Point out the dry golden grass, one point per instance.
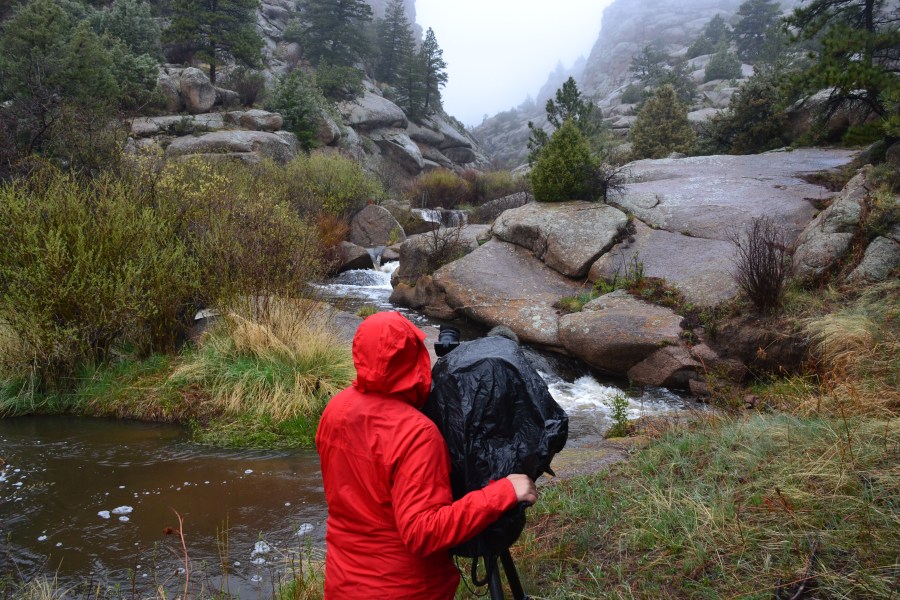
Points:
(282, 360)
(858, 352)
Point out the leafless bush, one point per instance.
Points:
(444, 245)
(762, 264)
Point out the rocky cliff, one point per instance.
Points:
(627, 26)
(204, 120)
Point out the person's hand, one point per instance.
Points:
(524, 486)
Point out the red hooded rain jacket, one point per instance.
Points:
(391, 515)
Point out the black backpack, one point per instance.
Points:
(497, 418)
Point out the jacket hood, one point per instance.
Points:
(391, 358)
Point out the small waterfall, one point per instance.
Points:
(445, 218)
(376, 253)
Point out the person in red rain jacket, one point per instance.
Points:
(386, 470)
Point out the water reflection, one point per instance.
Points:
(88, 496)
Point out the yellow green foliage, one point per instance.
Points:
(439, 188)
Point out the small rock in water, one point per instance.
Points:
(42, 538)
(237, 563)
(256, 579)
(287, 503)
(103, 514)
(59, 544)
(121, 487)
(258, 561)
(248, 471)
(305, 529)
(122, 510)
(124, 519)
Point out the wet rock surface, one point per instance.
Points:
(616, 331)
(567, 236)
(375, 226)
(699, 268)
(706, 196)
(504, 284)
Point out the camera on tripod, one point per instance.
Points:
(497, 417)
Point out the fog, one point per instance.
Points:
(499, 51)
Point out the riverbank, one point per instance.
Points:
(250, 382)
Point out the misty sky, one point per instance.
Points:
(498, 51)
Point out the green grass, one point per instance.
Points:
(741, 508)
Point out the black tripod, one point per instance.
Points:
(492, 576)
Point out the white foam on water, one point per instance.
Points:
(256, 579)
(305, 529)
(42, 538)
(122, 510)
(258, 561)
(248, 471)
(124, 519)
(587, 394)
(261, 548)
(103, 514)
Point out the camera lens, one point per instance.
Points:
(448, 339)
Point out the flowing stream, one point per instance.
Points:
(87, 500)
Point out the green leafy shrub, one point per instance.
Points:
(340, 83)
(633, 94)
(84, 265)
(301, 103)
(328, 183)
(92, 265)
(561, 171)
(439, 188)
(722, 65)
(662, 127)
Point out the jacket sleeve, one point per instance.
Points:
(427, 517)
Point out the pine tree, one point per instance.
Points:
(216, 30)
(410, 88)
(395, 43)
(757, 18)
(568, 104)
(662, 127)
(724, 64)
(434, 71)
(132, 22)
(715, 32)
(332, 31)
(859, 49)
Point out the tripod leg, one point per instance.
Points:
(512, 576)
(495, 586)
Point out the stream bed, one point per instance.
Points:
(88, 500)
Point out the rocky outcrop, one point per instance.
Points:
(881, 260)
(398, 145)
(615, 332)
(244, 145)
(195, 89)
(348, 256)
(375, 226)
(504, 284)
(418, 252)
(372, 111)
(707, 196)
(699, 268)
(827, 239)
(671, 366)
(257, 120)
(567, 236)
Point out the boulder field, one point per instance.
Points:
(672, 220)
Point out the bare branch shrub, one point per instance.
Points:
(762, 264)
(443, 246)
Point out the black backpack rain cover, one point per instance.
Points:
(497, 418)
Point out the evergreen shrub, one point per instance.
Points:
(722, 65)
(563, 168)
(662, 127)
